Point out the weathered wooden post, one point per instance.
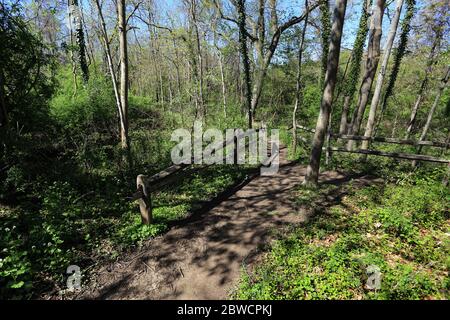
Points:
(145, 201)
(446, 177)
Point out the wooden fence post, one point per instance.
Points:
(145, 201)
(446, 177)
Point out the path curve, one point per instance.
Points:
(203, 258)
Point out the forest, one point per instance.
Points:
(355, 96)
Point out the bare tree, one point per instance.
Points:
(264, 44)
(121, 93)
(312, 172)
(221, 69)
(199, 60)
(267, 54)
(112, 72)
(427, 125)
(423, 86)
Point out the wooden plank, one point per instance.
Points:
(398, 155)
(391, 140)
(165, 173)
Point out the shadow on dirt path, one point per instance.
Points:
(201, 257)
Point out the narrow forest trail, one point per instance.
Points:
(202, 259)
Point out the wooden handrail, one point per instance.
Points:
(437, 144)
(146, 185)
(398, 155)
(390, 140)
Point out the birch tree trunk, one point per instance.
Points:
(427, 125)
(312, 172)
(373, 56)
(382, 74)
(299, 85)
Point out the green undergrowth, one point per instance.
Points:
(175, 202)
(39, 242)
(402, 228)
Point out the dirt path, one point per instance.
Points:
(203, 258)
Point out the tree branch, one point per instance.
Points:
(136, 7)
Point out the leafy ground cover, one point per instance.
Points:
(82, 230)
(402, 227)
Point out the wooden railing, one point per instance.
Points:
(399, 155)
(146, 185)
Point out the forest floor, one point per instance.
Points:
(203, 257)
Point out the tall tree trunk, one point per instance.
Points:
(394, 127)
(74, 67)
(155, 57)
(3, 108)
(299, 82)
(355, 67)
(373, 56)
(123, 73)
(161, 87)
(79, 34)
(312, 172)
(224, 90)
(426, 127)
(406, 27)
(199, 59)
(344, 116)
(222, 74)
(380, 79)
(261, 70)
(424, 84)
(89, 43)
(325, 32)
(177, 68)
(107, 49)
(245, 59)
